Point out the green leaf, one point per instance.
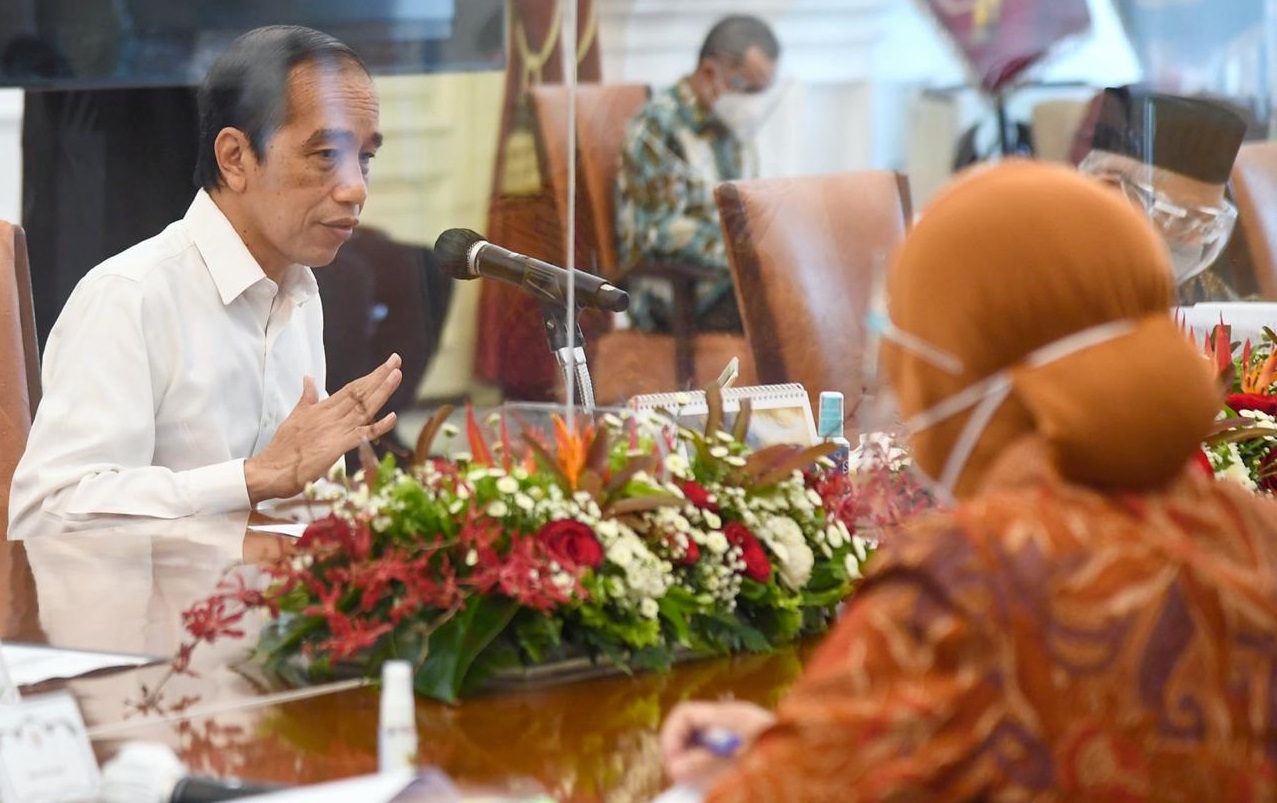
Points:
(538, 635)
(458, 643)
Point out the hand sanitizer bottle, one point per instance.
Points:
(830, 429)
(397, 723)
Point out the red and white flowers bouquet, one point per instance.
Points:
(609, 539)
(1244, 450)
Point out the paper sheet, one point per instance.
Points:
(30, 663)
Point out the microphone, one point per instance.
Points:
(464, 254)
(149, 772)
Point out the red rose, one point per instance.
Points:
(757, 566)
(572, 541)
(698, 496)
(1252, 401)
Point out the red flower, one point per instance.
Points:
(1252, 401)
(351, 540)
(757, 566)
(691, 555)
(1268, 481)
(1203, 462)
(575, 543)
(698, 496)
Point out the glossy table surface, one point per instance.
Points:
(121, 586)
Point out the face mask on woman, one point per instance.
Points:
(982, 397)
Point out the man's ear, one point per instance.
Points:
(235, 157)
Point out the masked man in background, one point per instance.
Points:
(687, 139)
(1172, 156)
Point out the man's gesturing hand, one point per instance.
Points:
(316, 433)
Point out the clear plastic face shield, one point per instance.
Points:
(1195, 231)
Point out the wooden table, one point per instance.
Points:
(122, 586)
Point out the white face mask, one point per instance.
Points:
(986, 395)
(1189, 260)
(743, 114)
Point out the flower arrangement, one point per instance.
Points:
(1244, 449)
(613, 539)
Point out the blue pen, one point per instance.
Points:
(719, 741)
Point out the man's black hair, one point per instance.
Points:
(247, 87)
(733, 37)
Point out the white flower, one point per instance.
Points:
(1237, 473)
(472, 557)
(858, 547)
(814, 498)
(524, 502)
(711, 519)
(735, 460)
(621, 552)
(449, 430)
(793, 555)
(508, 486)
(497, 509)
(853, 566)
(716, 542)
(676, 464)
(648, 608)
(833, 535)
(719, 451)
(725, 437)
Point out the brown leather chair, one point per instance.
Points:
(624, 362)
(803, 253)
(19, 359)
(1255, 193)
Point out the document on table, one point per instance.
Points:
(30, 664)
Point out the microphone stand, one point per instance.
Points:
(558, 323)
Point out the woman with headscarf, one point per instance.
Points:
(1094, 618)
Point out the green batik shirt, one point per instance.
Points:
(674, 153)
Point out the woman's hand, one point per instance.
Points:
(688, 760)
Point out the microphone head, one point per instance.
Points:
(611, 298)
(453, 250)
(142, 772)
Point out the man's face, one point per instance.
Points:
(750, 74)
(304, 194)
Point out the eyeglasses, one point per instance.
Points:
(1208, 226)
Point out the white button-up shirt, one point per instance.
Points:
(170, 364)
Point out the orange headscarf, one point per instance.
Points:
(1015, 257)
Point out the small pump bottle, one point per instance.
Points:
(397, 721)
(830, 429)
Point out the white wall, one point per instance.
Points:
(913, 55)
(11, 155)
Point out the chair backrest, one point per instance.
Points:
(603, 112)
(550, 102)
(19, 359)
(1055, 125)
(1255, 192)
(803, 252)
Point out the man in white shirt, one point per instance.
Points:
(172, 377)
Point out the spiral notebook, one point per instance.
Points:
(781, 413)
